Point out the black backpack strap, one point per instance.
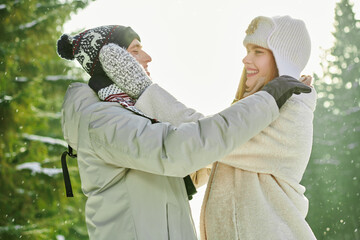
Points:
(190, 187)
(68, 188)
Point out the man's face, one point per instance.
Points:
(135, 49)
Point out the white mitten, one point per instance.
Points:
(124, 70)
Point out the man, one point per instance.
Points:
(132, 168)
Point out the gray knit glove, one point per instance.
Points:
(124, 70)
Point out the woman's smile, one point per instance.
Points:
(250, 72)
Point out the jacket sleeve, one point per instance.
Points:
(284, 147)
(161, 105)
(130, 141)
(158, 103)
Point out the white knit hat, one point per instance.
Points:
(287, 38)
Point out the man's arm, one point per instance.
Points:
(190, 140)
(158, 103)
(282, 149)
(123, 139)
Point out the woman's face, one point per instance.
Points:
(260, 68)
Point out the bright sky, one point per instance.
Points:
(196, 46)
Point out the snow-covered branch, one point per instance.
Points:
(6, 98)
(35, 168)
(32, 23)
(49, 140)
(60, 78)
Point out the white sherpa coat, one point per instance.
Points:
(255, 192)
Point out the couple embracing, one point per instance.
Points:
(142, 154)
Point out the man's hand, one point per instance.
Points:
(124, 70)
(282, 88)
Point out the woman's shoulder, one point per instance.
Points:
(303, 101)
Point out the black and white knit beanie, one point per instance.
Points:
(286, 37)
(85, 46)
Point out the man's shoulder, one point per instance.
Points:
(83, 100)
(82, 106)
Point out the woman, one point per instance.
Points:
(255, 192)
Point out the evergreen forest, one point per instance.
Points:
(33, 82)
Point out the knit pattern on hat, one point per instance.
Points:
(287, 38)
(87, 44)
(124, 70)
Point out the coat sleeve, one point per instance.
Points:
(284, 147)
(157, 103)
(123, 139)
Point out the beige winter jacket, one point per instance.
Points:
(255, 192)
(132, 171)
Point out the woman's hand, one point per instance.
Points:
(306, 79)
(124, 70)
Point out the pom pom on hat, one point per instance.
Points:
(286, 37)
(65, 47)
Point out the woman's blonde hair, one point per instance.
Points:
(241, 87)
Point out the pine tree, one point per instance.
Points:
(333, 175)
(32, 200)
